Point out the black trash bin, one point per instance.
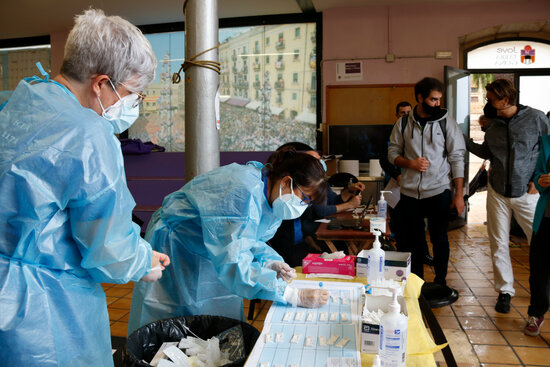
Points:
(143, 344)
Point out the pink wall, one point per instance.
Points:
(415, 33)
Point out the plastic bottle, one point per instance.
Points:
(393, 335)
(376, 361)
(382, 206)
(375, 261)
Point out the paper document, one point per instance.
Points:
(394, 195)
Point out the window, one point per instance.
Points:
(252, 101)
(297, 32)
(296, 54)
(17, 63)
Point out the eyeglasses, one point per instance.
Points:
(306, 200)
(140, 95)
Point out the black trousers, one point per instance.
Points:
(539, 277)
(411, 235)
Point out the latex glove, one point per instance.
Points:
(284, 271)
(160, 261)
(310, 298)
(153, 275)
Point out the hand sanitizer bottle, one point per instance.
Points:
(375, 261)
(382, 206)
(393, 335)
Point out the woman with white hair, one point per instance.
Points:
(65, 223)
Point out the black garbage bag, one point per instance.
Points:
(143, 344)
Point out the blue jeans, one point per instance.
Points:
(411, 236)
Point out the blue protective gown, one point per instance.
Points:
(214, 230)
(65, 226)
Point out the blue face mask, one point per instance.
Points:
(323, 164)
(123, 113)
(288, 206)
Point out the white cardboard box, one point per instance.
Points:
(370, 333)
(397, 265)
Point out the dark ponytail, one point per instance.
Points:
(304, 169)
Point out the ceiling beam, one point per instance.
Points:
(306, 6)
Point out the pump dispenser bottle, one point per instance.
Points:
(393, 335)
(382, 206)
(376, 362)
(375, 261)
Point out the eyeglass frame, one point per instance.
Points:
(306, 200)
(140, 95)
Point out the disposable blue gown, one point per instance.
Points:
(65, 226)
(214, 229)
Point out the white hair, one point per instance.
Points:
(109, 45)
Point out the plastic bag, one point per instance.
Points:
(143, 343)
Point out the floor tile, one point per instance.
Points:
(479, 283)
(115, 313)
(117, 292)
(519, 339)
(464, 310)
(125, 303)
(484, 291)
(448, 322)
(476, 323)
(467, 300)
(495, 354)
(505, 323)
(491, 337)
(534, 356)
(443, 311)
(493, 313)
(119, 328)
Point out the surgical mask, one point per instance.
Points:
(323, 164)
(288, 206)
(433, 111)
(123, 113)
(489, 110)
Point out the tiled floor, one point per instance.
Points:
(478, 335)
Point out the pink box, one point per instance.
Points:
(313, 263)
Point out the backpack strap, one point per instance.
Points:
(404, 120)
(442, 125)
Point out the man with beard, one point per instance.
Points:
(428, 145)
(511, 143)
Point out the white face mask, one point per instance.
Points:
(288, 206)
(123, 113)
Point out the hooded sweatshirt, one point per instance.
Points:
(512, 147)
(445, 154)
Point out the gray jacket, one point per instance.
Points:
(513, 149)
(445, 154)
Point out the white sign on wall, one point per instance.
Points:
(510, 55)
(346, 71)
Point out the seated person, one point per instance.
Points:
(295, 238)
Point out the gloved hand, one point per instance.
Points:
(153, 275)
(310, 298)
(284, 271)
(160, 260)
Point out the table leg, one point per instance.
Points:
(331, 246)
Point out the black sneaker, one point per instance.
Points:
(503, 303)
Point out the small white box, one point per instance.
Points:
(370, 333)
(397, 265)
